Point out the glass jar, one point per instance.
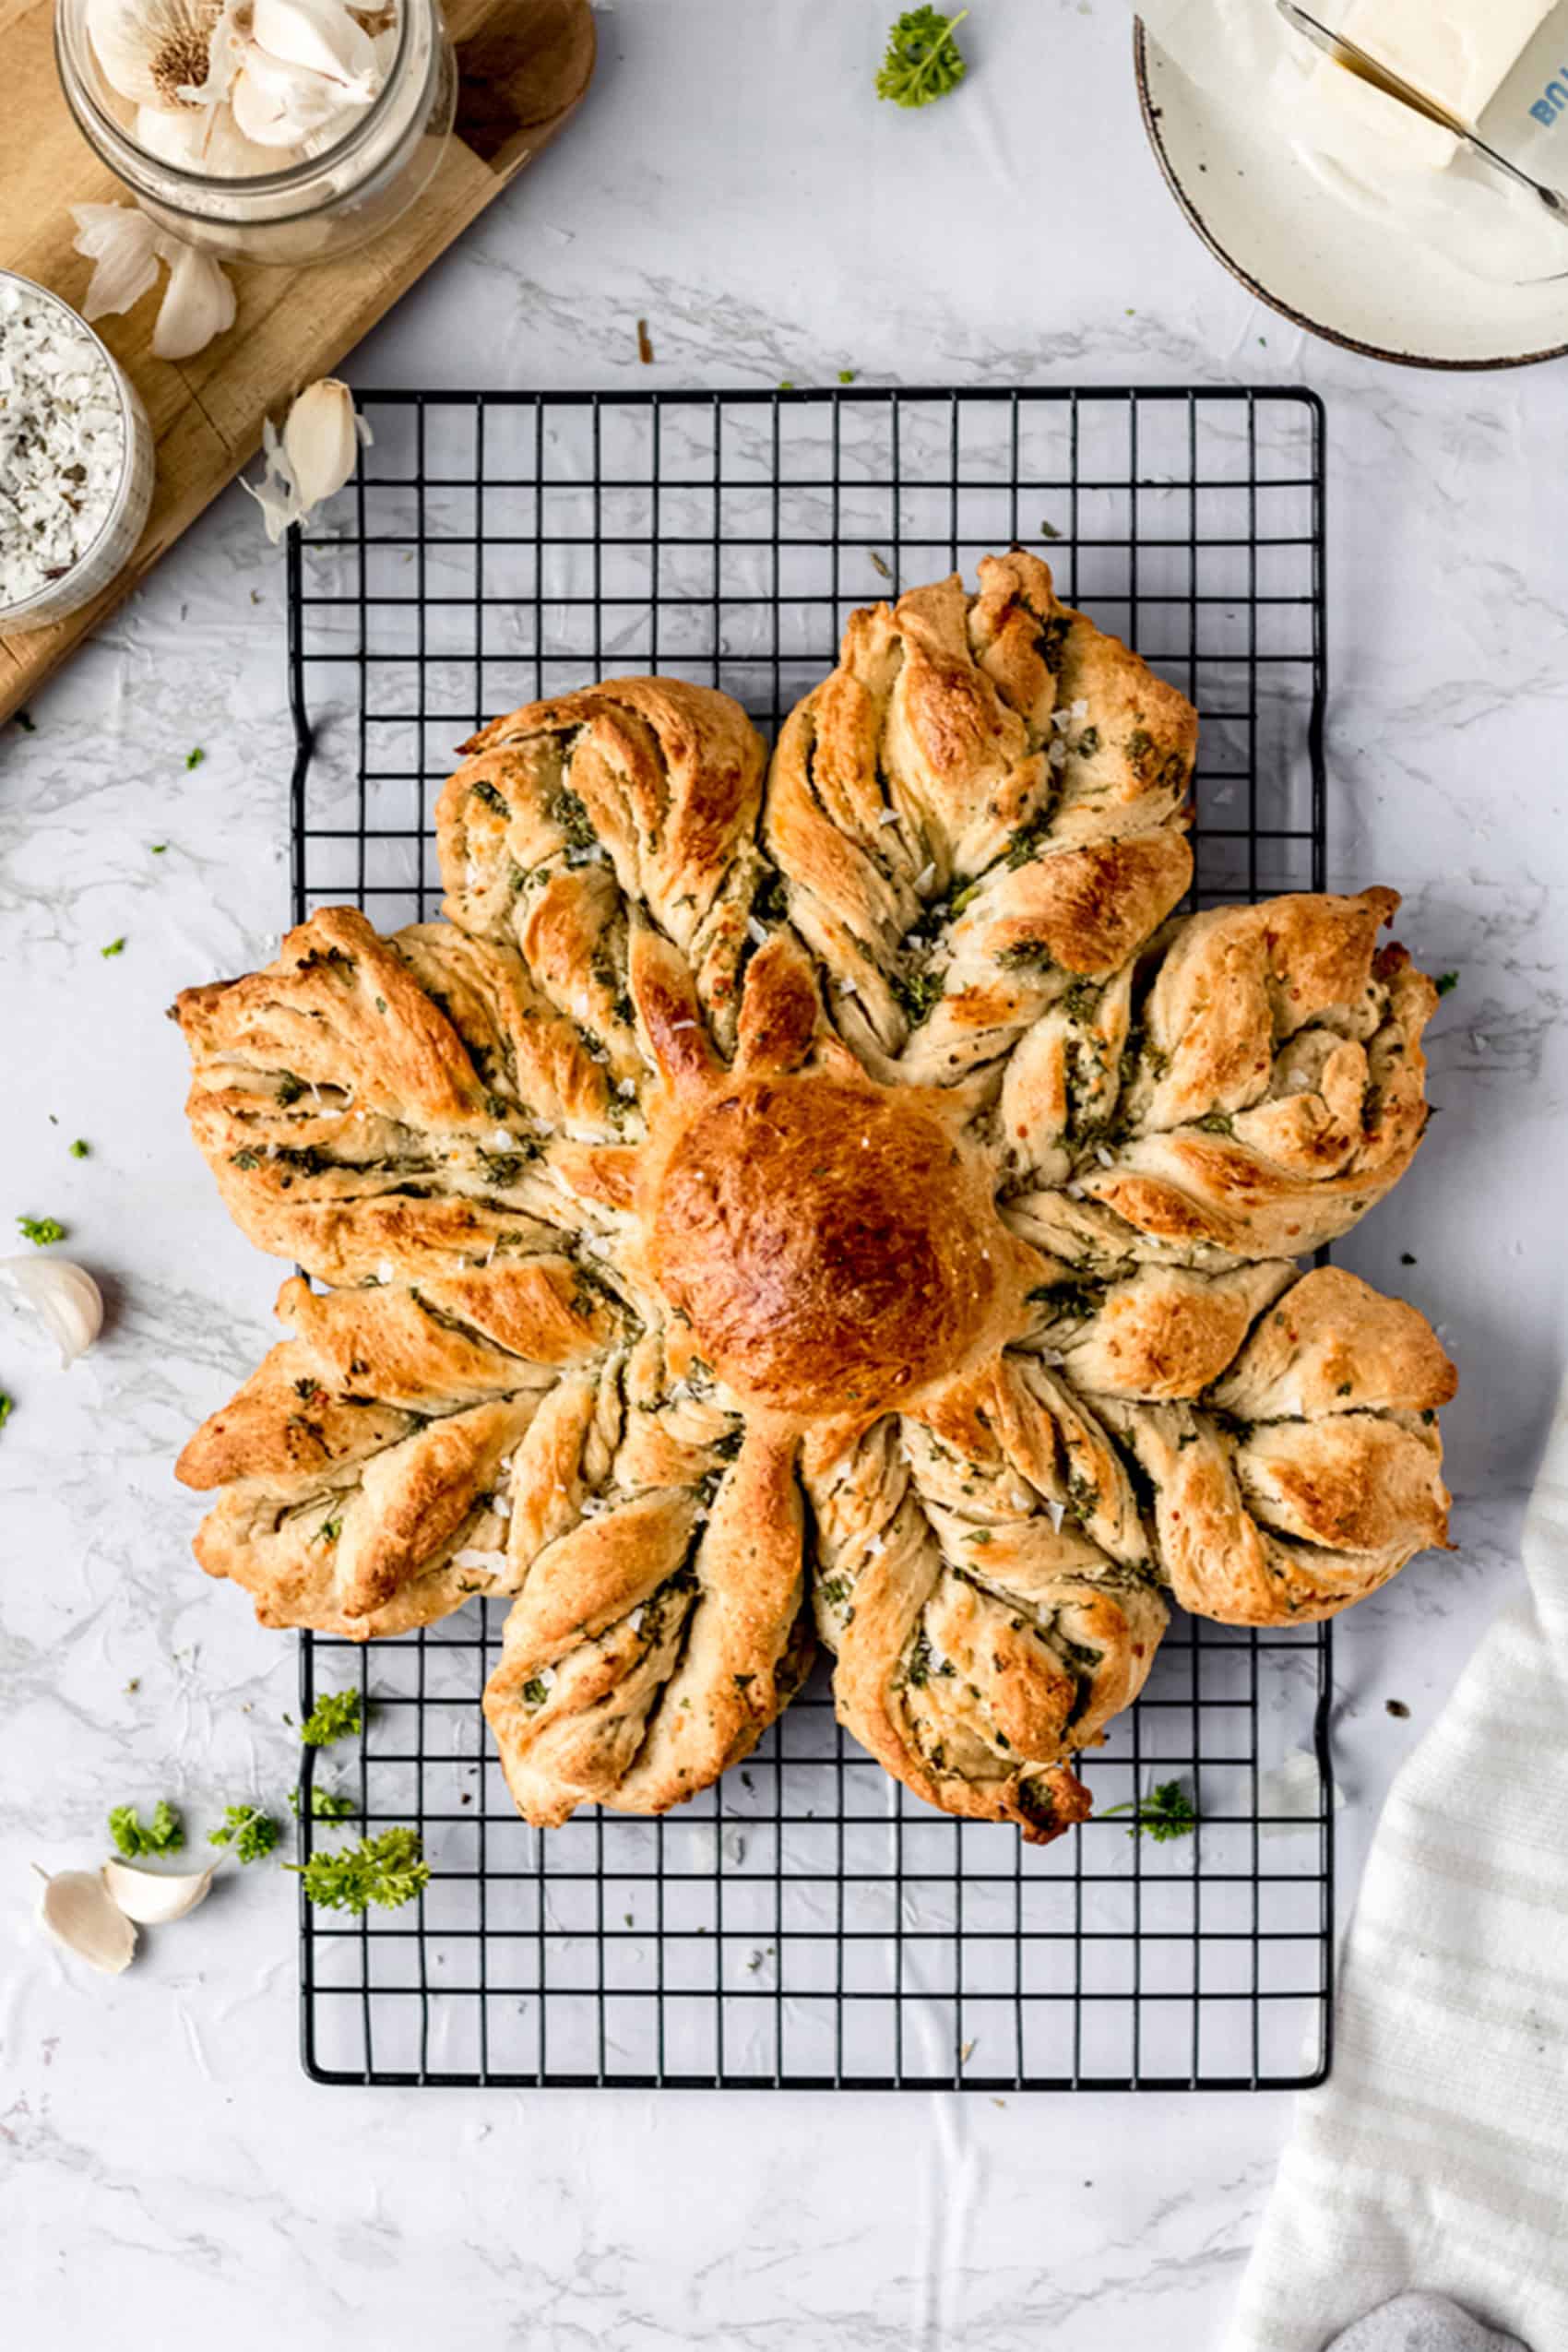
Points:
(307, 211)
(115, 540)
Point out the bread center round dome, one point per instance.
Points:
(832, 1245)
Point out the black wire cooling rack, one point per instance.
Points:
(807, 1923)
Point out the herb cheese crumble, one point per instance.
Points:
(62, 441)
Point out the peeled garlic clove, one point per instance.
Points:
(278, 104)
(79, 1911)
(154, 1898)
(173, 138)
(65, 1298)
(198, 301)
(149, 48)
(122, 241)
(321, 442)
(320, 34)
(227, 153)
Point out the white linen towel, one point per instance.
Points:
(1436, 2153)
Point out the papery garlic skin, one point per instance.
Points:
(64, 1296)
(154, 1898)
(149, 49)
(79, 1912)
(122, 242)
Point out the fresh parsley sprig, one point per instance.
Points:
(250, 1832)
(336, 1716)
(325, 1804)
(164, 1834)
(923, 61)
(387, 1871)
(41, 1231)
(1166, 1813)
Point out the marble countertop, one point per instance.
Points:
(168, 2170)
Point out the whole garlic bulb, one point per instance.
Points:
(149, 50)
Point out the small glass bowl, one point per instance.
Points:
(313, 210)
(116, 540)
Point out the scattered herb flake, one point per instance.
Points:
(1446, 981)
(1166, 1813)
(41, 1231)
(846, 374)
(79, 1149)
(6, 1407)
(194, 758)
(115, 947)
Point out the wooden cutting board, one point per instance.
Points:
(524, 65)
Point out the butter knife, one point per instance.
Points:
(1367, 68)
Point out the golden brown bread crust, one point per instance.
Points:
(1278, 1083)
(910, 1218)
(651, 1649)
(985, 798)
(1311, 1471)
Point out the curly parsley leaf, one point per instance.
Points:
(923, 61)
(1166, 1813)
(250, 1832)
(388, 1870)
(41, 1231)
(325, 1804)
(336, 1714)
(164, 1834)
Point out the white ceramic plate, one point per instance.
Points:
(1263, 214)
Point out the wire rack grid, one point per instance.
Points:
(807, 1923)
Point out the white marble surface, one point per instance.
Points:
(169, 2171)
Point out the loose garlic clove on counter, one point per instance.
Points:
(154, 1898)
(65, 1298)
(198, 301)
(321, 440)
(79, 1912)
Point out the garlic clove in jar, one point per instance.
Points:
(278, 104)
(79, 1911)
(172, 138)
(318, 34)
(150, 49)
(154, 1898)
(65, 1298)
